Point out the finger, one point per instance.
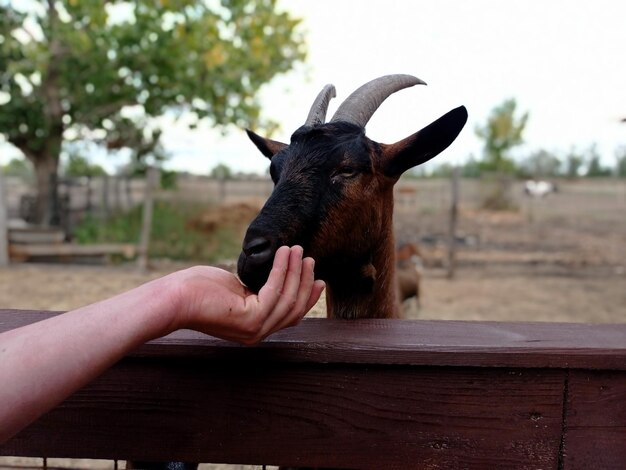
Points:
(295, 314)
(316, 293)
(307, 280)
(289, 294)
(270, 293)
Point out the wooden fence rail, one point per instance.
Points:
(362, 394)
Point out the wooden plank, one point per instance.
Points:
(595, 421)
(403, 342)
(367, 394)
(36, 235)
(70, 249)
(351, 416)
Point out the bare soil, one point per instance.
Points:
(558, 259)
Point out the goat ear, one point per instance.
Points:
(425, 144)
(268, 147)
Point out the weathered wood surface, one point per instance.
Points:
(595, 425)
(367, 394)
(35, 235)
(439, 343)
(26, 251)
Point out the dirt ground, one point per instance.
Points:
(562, 259)
(558, 259)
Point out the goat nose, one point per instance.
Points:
(259, 248)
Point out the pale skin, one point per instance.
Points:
(43, 363)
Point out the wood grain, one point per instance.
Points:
(404, 342)
(359, 394)
(595, 426)
(313, 415)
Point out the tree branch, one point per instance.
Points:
(106, 110)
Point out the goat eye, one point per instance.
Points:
(345, 173)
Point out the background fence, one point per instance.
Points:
(104, 194)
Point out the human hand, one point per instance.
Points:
(206, 299)
(215, 302)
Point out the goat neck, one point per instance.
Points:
(365, 287)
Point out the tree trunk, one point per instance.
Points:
(47, 203)
(46, 162)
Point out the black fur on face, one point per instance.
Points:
(312, 176)
(333, 195)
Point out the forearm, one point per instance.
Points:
(47, 361)
(43, 363)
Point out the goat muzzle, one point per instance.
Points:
(255, 261)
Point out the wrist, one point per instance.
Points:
(160, 300)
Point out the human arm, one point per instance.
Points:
(43, 363)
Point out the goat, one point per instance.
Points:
(333, 195)
(409, 268)
(539, 189)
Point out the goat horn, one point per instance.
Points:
(317, 115)
(360, 106)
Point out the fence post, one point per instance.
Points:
(105, 197)
(454, 213)
(152, 178)
(88, 196)
(117, 205)
(4, 229)
(129, 196)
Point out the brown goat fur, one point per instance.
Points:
(409, 272)
(333, 195)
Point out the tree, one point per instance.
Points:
(620, 155)
(595, 169)
(502, 132)
(221, 171)
(541, 164)
(471, 168)
(77, 165)
(76, 70)
(573, 164)
(19, 168)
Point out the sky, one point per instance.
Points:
(563, 61)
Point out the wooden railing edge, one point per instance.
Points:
(367, 394)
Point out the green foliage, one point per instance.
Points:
(19, 168)
(471, 168)
(573, 164)
(496, 192)
(88, 70)
(185, 55)
(170, 236)
(169, 179)
(620, 154)
(595, 169)
(540, 164)
(77, 165)
(222, 171)
(502, 132)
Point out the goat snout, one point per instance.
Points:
(256, 259)
(259, 248)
